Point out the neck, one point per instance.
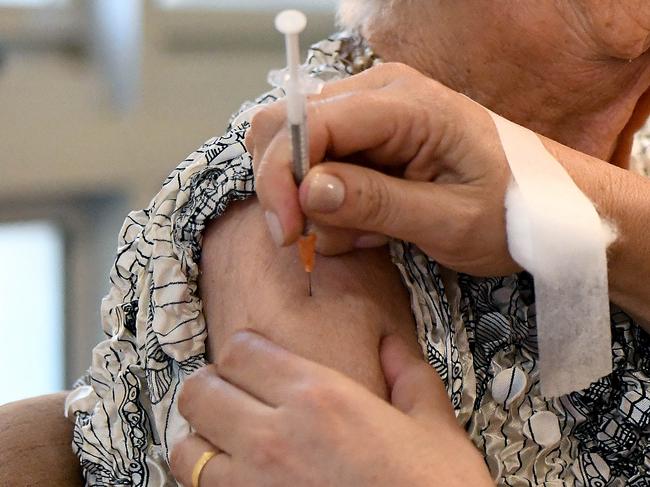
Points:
(566, 85)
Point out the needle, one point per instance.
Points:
(291, 23)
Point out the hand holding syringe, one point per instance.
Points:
(291, 23)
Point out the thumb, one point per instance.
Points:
(359, 198)
(415, 388)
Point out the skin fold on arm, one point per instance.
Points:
(248, 282)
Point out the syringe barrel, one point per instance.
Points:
(300, 148)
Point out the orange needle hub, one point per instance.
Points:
(307, 251)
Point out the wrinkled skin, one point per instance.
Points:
(570, 70)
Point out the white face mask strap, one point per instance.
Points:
(555, 233)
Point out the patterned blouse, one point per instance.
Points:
(478, 333)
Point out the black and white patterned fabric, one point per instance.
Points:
(479, 334)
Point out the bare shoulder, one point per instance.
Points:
(35, 444)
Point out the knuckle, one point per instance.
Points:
(264, 124)
(185, 398)
(316, 396)
(269, 448)
(191, 388)
(395, 69)
(234, 351)
(261, 119)
(376, 201)
(389, 68)
(273, 155)
(268, 118)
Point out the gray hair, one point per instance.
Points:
(354, 14)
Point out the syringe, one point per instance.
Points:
(291, 23)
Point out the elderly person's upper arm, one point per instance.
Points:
(247, 282)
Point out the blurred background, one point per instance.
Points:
(99, 100)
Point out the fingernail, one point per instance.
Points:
(275, 228)
(325, 193)
(371, 240)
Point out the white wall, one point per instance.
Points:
(62, 146)
(58, 134)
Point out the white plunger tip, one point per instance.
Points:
(290, 22)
